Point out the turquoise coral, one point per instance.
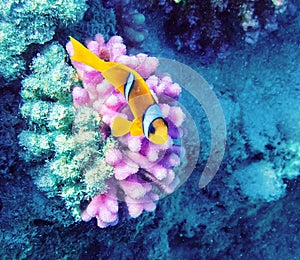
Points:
(67, 139)
(27, 22)
(52, 78)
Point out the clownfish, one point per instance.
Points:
(148, 119)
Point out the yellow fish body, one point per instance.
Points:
(148, 119)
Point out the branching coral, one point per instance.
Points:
(143, 172)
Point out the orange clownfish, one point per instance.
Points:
(148, 119)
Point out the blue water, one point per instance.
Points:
(250, 210)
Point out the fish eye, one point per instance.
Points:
(151, 129)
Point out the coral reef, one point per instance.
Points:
(208, 27)
(199, 27)
(259, 91)
(143, 172)
(83, 162)
(28, 22)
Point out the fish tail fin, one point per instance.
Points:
(120, 126)
(85, 56)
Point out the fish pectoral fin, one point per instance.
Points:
(120, 126)
(136, 128)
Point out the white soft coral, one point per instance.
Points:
(259, 181)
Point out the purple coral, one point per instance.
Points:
(143, 171)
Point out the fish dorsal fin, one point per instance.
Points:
(117, 75)
(120, 126)
(136, 127)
